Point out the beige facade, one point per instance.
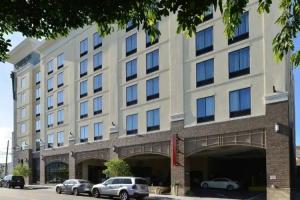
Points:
(269, 83)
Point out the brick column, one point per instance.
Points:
(42, 170)
(72, 160)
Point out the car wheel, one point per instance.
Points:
(75, 192)
(229, 187)
(58, 190)
(205, 186)
(22, 187)
(124, 195)
(96, 193)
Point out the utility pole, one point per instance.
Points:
(6, 158)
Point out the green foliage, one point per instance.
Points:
(21, 170)
(116, 167)
(56, 18)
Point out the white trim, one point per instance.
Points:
(177, 117)
(276, 97)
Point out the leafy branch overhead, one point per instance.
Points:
(56, 18)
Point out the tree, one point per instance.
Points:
(21, 170)
(116, 167)
(56, 18)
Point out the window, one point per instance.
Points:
(23, 98)
(97, 40)
(204, 41)
(131, 44)
(206, 109)
(23, 83)
(37, 77)
(23, 113)
(83, 88)
(152, 88)
(60, 98)
(205, 73)
(50, 84)
(208, 14)
(83, 109)
(60, 117)
(83, 133)
(242, 30)
(83, 67)
(148, 38)
(239, 62)
(50, 66)
(50, 102)
(97, 105)
(131, 70)
(37, 109)
(37, 94)
(98, 83)
(97, 61)
(23, 128)
(131, 95)
(83, 47)
(37, 145)
(60, 79)
(240, 102)
(60, 60)
(50, 120)
(130, 25)
(23, 145)
(60, 139)
(132, 124)
(98, 131)
(152, 60)
(50, 140)
(153, 120)
(38, 125)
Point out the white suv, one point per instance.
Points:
(123, 187)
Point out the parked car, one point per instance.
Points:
(220, 183)
(122, 187)
(74, 186)
(11, 181)
(1, 180)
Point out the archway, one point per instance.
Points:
(91, 170)
(57, 172)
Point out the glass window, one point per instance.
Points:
(37, 93)
(204, 41)
(153, 120)
(98, 83)
(83, 67)
(50, 102)
(60, 98)
(152, 88)
(83, 109)
(60, 117)
(131, 44)
(148, 38)
(23, 113)
(97, 105)
(98, 131)
(152, 60)
(83, 133)
(23, 83)
(242, 30)
(208, 14)
(37, 77)
(37, 125)
(97, 40)
(60, 60)
(60, 79)
(131, 95)
(206, 109)
(37, 145)
(240, 102)
(60, 139)
(83, 88)
(50, 66)
(83, 47)
(132, 124)
(97, 60)
(50, 140)
(50, 120)
(23, 128)
(23, 145)
(37, 109)
(239, 62)
(50, 84)
(205, 72)
(131, 71)
(130, 25)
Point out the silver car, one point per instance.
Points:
(74, 186)
(122, 187)
(220, 183)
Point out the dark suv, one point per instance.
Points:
(11, 181)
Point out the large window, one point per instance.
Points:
(97, 40)
(50, 84)
(56, 172)
(37, 145)
(60, 60)
(206, 109)
(37, 77)
(83, 109)
(50, 66)
(240, 102)
(50, 102)
(205, 72)
(98, 83)
(152, 60)
(132, 124)
(83, 133)
(50, 120)
(60, 79)
(23, 82)
(204, 41)
(37, 125)
(131, 45)
(38, 109)
(130, 25)
(83, 88)
(37, 93)
(83, 67)
(131, 71)
(23, 128)
(60, 139)
(23, 113)
(97, 61)
(60, 117)
(98, 131)
(153, 120)
(97, 105)
(131, 95)
(242, 30)
(152, 88)
(148, 38)
(208, 14)
(50, 140)
(60, 98)
(239, 62)
(83, 47)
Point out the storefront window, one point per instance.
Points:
(57, 172)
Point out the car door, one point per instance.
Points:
(106, 190)
(115, 185)
(67, 186)
(215, 183)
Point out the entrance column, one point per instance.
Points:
(72, 160)
(42, 170)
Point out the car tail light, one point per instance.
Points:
(134, 187)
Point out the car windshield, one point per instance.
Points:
(140, 181)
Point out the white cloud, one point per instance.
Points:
(5, 134)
